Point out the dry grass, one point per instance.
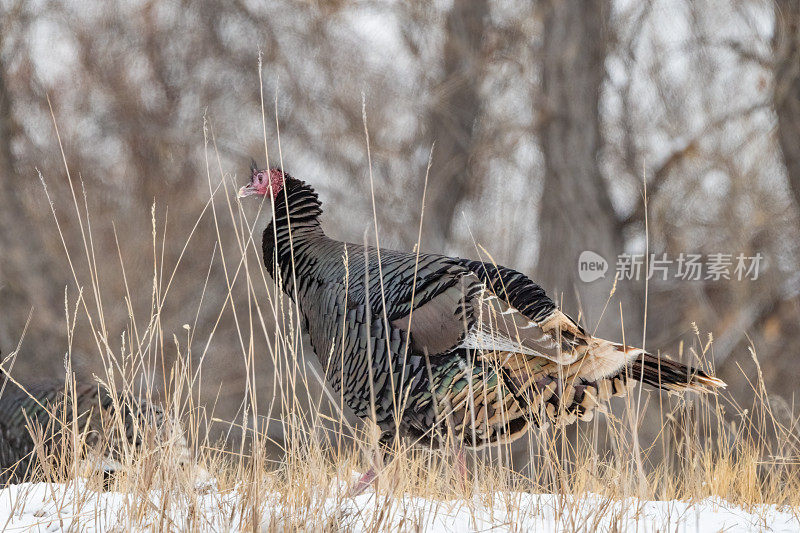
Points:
(704, 446)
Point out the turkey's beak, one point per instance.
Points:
(247, 190)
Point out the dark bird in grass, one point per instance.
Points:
(46, 426)
(434, 347)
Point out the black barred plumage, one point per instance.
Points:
(452, 345)
(107, 428)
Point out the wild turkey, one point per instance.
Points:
(443, 345)
(102, 428)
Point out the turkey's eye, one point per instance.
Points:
(260, 178)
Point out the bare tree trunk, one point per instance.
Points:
(786, 96)
(452, 120)
(6, 130)
(9, 292)
(24, 273)
(576, 212)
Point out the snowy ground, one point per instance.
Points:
(43, 507)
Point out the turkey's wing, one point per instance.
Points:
(468, 315)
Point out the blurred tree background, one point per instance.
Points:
(549, 118)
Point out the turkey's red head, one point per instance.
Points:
(263, 182)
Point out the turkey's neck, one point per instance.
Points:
(291, 236)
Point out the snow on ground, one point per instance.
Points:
(54, 507)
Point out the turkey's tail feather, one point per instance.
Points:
(604, 369)
(658, 372)
(672, 376)
(605, 359)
